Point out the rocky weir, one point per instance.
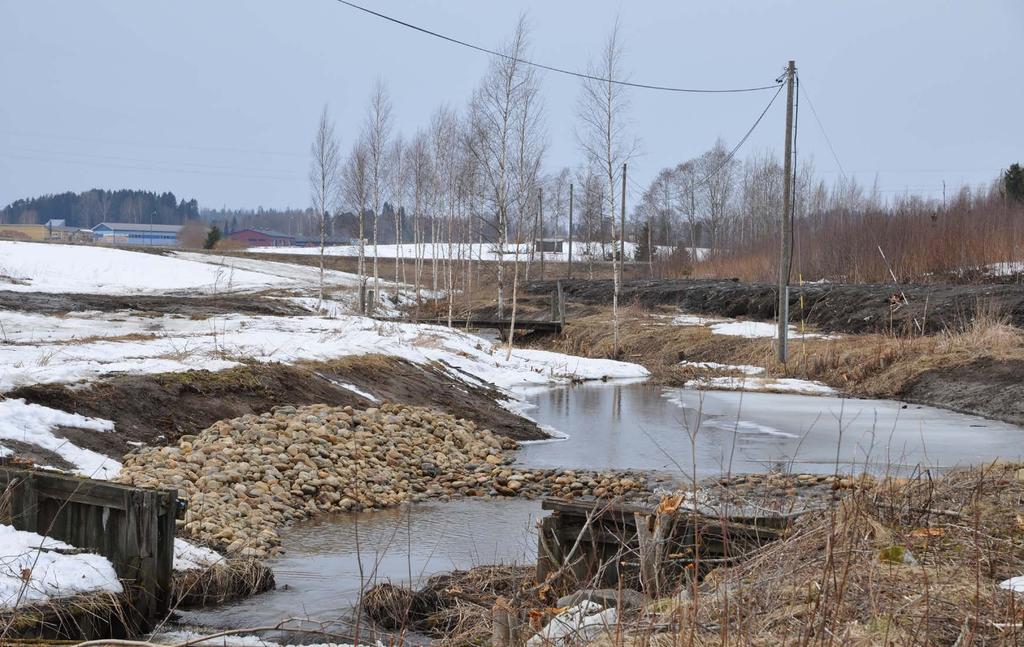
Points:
(246, 477)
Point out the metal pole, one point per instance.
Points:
(786, 239)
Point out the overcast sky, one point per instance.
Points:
(218, 100)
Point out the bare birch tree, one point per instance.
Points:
(324, 183)
(356, 187)
(421, 179)
(603, 113)
(494, 114)
(378, 134)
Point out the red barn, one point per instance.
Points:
(260, 238)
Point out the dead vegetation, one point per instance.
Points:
(875, 365)
(906, 562)
(894, 561)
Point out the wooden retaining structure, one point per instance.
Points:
(606, 545)
(132, 527)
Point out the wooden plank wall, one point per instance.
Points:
(132, 527)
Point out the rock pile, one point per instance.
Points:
(244, 478)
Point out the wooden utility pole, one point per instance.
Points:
(570, 230)
(786, 239)
(540, 221)
(622, 226)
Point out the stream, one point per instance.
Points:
(610, 426)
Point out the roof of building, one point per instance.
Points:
(136, 226)
(266, 232)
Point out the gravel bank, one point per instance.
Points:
(246, 477)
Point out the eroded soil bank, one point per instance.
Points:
(190, 306)
(828, 307)
(158, 409)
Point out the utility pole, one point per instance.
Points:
(622, 227)
(570, 230)
(786, 251)
(540, 226)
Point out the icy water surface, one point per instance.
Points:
(620, 426)
(329, 557)
(644, 426)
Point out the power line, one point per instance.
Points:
(740, 143)
(552, 68)
(822, 128)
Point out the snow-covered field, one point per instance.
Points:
(475, 251)
(38, 267)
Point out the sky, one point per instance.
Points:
(219, 100)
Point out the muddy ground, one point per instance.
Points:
(158, 409)
(189, 306)
(825, 306)
(986, 387)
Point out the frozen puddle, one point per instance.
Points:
(643, 426)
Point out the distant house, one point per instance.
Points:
(548, 245)
(131, 233)
(261, 238)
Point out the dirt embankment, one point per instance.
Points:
(191, 306)
(825, 306)
(159, 409)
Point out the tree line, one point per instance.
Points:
(89, 208)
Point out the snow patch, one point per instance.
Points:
(191, 557)
(32, 567)
(779, 385)
(35, 424)
(746, 369)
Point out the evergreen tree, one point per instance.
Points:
(1013, 182)
(643, 247)
(212, 238)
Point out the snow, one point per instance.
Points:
(474, 251)
(737, 328)
(190, 557)
(746, 369)
(695, 320)
(40, 267)
(1006, 268)
(749, 329)
(179, 637)
(222, 342)
(354, 389)
(579, 624)
(31, 566)
(283, 273)
(774, 385)
(35, 424)
(1015, 584)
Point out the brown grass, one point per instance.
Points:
(906, 562)
(875, 365)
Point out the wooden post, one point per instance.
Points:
(785, 256)
(570, 230)
(540, 221)
(561, 302)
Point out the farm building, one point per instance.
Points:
(127, 233)
(51, 230)
(262, 238)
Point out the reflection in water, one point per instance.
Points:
(621, 426)
(330, 557)
(644, 426)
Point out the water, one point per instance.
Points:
(644, 426)
(611, 426)
(319, 577)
